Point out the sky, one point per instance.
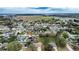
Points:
(40, 3)
(39, 6)
(36, 10)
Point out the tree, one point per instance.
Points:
(65, 35)
(61, 42)
(2, 40)
(14, 46)
(32, 47)
(46, 39)
(12, 38)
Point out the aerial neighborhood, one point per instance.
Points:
(39, 33)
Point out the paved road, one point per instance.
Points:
(55, 48)
(38, 48)
(69, 48)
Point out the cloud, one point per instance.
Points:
(42, 8)
(31, 10)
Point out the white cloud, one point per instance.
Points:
(43, 10)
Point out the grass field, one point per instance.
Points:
(34, 17)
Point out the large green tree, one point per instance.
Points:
(12, 38)
(46, 39)
(61, 42)
(65, 35)
(14, 46)
(2, 39)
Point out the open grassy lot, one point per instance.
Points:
(32, 18)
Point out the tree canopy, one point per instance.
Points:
(14, 46)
